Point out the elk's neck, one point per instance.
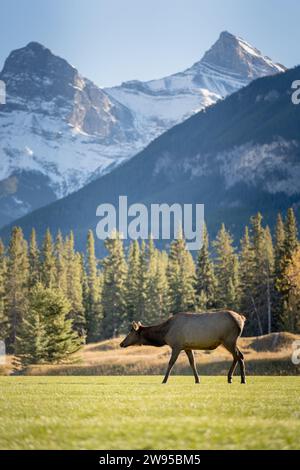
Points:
(154, 335)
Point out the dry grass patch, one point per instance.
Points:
(264, 355)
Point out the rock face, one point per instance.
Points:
(39, 81)
(238, 157)
(230, 64)
(58, 130)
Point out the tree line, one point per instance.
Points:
(54, 298)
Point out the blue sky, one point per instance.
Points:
(111, 41)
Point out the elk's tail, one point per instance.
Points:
(239, 320)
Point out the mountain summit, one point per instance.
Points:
(230, 64)
(237, 56)
(58, 130)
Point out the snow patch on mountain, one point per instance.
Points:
(61, 127)
(30, 142)
(264, 163)
(229, 65)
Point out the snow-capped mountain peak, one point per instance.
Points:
(228, 65)
(58, 130)
(236, 55)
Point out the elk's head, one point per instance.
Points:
(133, 337)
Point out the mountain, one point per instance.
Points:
(239, 156)
(58, 130)
(229, 65)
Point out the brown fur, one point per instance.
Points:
(189, 331)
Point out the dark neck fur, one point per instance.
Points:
(155, 335)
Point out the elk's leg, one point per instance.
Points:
(237, 358)
(174, 356)
(242, 365)
(232, 369)
(191, 358)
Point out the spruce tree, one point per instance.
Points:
(16, 284)
(157, 295)
(133, 282)
(181, 277)
(269, 276)
(247, 273)
(74, 286)
(263, 274)
(93, 293)
(226, 270)
(34, 260)
(291, 234)
(4, 324)
(279, 248)
(32, 340)
(45, 333)
(279, 265)
(205, 277)
(143, 281)
(60, 264)
(114, 286)
(291, 244)
(53, 310)
(48, 274)
(291, 314)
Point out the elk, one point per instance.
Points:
(193, 331)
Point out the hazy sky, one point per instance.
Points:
(111, 41)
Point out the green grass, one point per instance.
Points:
(140, 413)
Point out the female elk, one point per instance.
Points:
(192, 331)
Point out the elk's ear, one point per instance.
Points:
(139, 323)
(135, 325)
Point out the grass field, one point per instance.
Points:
(140, 413)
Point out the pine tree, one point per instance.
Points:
(48, 273)
(246, 273)
(291, 313)
(157, 295)
(16, 283)
(181, 277)
(34, 260)
(279, 262)
(226, 269)
(4, 324)
(52, 309)
(133, 282)
(291, 234)
(263, 277)
(202, 301)
(269, 276)
(114, 286)
(45, 332)
(93, 306)
(205, 277)
(290, 246)
(143, 281)
(74, 286)
(32, 340)
(279, 248)
(60, 264)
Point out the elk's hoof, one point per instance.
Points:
(230, 381)
(243, 381)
